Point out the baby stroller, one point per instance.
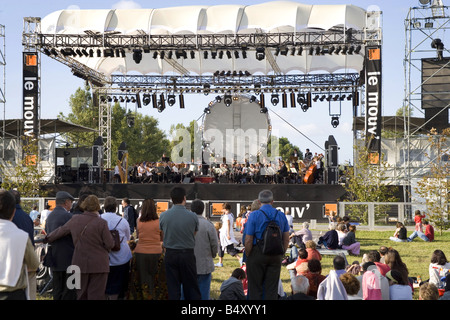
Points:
(43, 274)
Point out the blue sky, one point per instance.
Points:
(58, 83)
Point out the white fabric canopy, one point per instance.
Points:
(270, 17)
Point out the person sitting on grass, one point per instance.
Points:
(232, 288)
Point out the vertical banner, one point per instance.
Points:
(373, 101)
(30, 94)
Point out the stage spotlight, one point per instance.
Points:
(300, 51)
(228, 100)
(338, 50)
(316, 98)
(54, 52)
(318, 51)
(161, 103)
(358, 49)
(311, 51)
(293, 103)
(192, 54)
(351, 50)
(205, 54)
(260, 54)
(335, 122)
(283, 51)
(228, 54)
(244, 54)
(171, 99)
(264, 110)
(332, 49)
(137, 56)
(146, 99)
(275, 98)
(322, 98)
(301, 99)
(181, 98)
(162, 55)
(252, 99)
(218, 99)
(108, 53)
(344, 50)
(221, 54)
(236, 54)
(207, 110)
(47, 52)
(206, 88)
(214, 54)
(170, 54)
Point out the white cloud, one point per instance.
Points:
(126, 4)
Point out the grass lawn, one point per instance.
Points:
(416, 255)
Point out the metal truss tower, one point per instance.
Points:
(423, 25)
(3, 80)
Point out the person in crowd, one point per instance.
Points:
(330, 239)
(315, 277)
(300, 288)
(342, 233)
(290, 220)
(301, 259)
(398, 288)
(119, 261)
(374, 256)
(129, 214)
(226, 235)
(394, 261)
(148, 272)
(264, 270)
(351, 285)
(18, 254)
(205, 250)
(332, 288)
(427, 236)
(371, 288)
(400, 233)
(418, 217)
(92, 242)
(304, 233)
(34, 213)
(446, 295)
(313, 253)
(76, 208)
(349, 243)
(232, 288)
(438, 268)
(179, 227)
(428, 291)
(44, 214)
(382, 251)
(60, 252)
(22, 220)
(332, 220)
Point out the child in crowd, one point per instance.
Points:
(418, 220)
(232, 288)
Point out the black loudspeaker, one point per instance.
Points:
(333, 175)
(436, 118)
(332, 148)
(97, 156)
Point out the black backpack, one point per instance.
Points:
(271, 242)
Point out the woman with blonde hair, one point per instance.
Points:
(93, 242)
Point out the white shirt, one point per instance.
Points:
(400, 292)
(117, 258)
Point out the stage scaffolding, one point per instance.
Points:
(423, 24)
(259, 45)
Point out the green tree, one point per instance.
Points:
(434, 186)
(26, 176)
(366, 182)
(285, 148)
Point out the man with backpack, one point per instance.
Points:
(266, 241)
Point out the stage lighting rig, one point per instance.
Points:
(275, 99)
(171, 99)
(260, 54)
(137, 56)
(264, 110)
(228, 100)
(146, 99)
(335, 121)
